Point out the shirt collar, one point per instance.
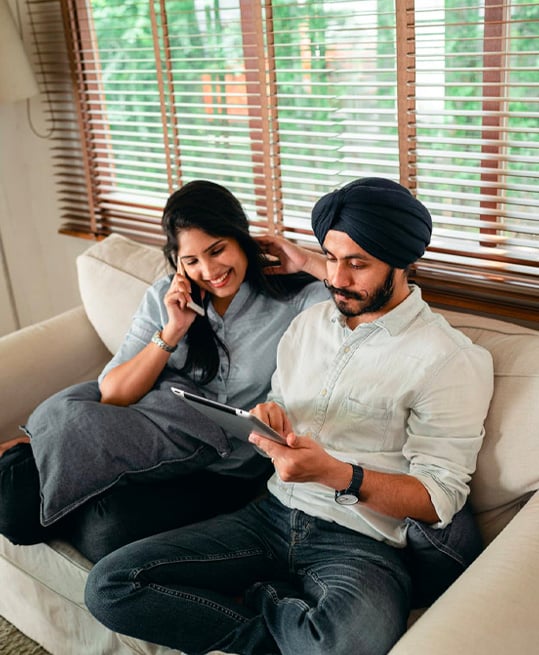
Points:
(242, 297)
(395, 320)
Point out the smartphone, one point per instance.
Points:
(196, 303)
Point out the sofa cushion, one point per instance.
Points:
(508, 463)
(113, 276)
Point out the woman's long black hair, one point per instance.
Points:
(214, 209)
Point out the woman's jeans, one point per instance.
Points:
(130, 510)
(266, 579)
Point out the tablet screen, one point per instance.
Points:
(237, 422)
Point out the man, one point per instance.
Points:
(383, 404)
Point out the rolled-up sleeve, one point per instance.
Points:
(445, 428)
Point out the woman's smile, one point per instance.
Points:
(221, 281)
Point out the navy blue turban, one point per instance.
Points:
(380, 215)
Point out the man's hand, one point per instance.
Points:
(302, 459)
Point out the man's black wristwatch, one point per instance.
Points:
(350, 495)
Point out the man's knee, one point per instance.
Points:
(360, 638)
(369, 628)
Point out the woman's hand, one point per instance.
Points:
(179, 314)
(292, 258)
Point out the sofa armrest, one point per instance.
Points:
(41, 359)
(492, 608)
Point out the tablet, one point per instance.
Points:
(237, 422)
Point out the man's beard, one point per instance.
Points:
(375, 301)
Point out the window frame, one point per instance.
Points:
(449, 285)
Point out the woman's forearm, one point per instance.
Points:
(126, 383)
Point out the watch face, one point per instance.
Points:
(347, 499)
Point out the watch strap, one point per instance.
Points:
(157, 339)
(354, 487)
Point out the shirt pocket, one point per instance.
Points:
(367, 422)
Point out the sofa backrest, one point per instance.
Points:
(508, 464)
(114, 273)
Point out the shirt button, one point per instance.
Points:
(347, 349)
(324, 392)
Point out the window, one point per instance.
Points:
(285, 100)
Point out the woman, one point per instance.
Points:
(122, 458)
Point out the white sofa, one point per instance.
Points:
(491, 609)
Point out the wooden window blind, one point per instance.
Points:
(284, 100)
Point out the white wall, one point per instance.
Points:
(40, 262)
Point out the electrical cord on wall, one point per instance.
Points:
(29, 118)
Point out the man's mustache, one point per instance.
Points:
(343, 292)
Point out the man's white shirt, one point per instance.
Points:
(406, 393)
